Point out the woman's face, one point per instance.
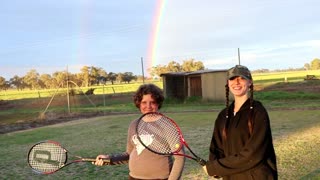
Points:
(148, 104)
(239, 86)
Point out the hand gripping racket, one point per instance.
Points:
(47, 157)
(161, 135)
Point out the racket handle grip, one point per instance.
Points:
(93, 160)
(122, 158)
(202, 162)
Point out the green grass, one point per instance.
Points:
(295, 128)
(293, 75)
(296, 139)
(29, 110)
(282, 95)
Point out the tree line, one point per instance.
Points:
(313, 65)
(89, 76)
(92, 76)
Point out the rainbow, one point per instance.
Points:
(154, 35)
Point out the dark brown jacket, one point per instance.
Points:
(241, 155)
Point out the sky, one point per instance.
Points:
(135, 35)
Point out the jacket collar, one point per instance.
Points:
(245, 106)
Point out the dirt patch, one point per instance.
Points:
(5, 105)
(50, 121)
(37, 106)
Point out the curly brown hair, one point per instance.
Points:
(155, 91)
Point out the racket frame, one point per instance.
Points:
(65, 163)
(196, 158)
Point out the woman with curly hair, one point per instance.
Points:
(144, 164)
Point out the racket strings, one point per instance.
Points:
(164, 133)
(47, 157)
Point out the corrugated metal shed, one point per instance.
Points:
(208, 84)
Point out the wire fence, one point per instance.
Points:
(97, 90)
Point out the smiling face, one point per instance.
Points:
(148, 104)
(239, 86)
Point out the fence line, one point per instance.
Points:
(98, 90)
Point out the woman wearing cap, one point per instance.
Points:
(241, 145)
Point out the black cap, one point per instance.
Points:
(241, 71)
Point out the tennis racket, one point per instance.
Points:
(161, 135)
(47, 157)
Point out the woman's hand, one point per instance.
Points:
(100, 158)
(205, 169)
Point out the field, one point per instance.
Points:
(90, 129)
(296, 139)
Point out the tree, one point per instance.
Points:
(102, 76)
(45, 81)
(174, 67)
(158, 70)
(31, 79)
(260, 71)
(192, 65)
(74, 79)
(120, 77)
(3, 83)
(94, 75)
(17, 82)
(60, 78)
(84, 75)
(315, 64)
(112, 77)
(128, 77)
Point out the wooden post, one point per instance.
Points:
(239, 55)
(68, 97)
(142, 69)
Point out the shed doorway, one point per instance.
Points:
(195, 86)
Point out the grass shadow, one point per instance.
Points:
(313, 175)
